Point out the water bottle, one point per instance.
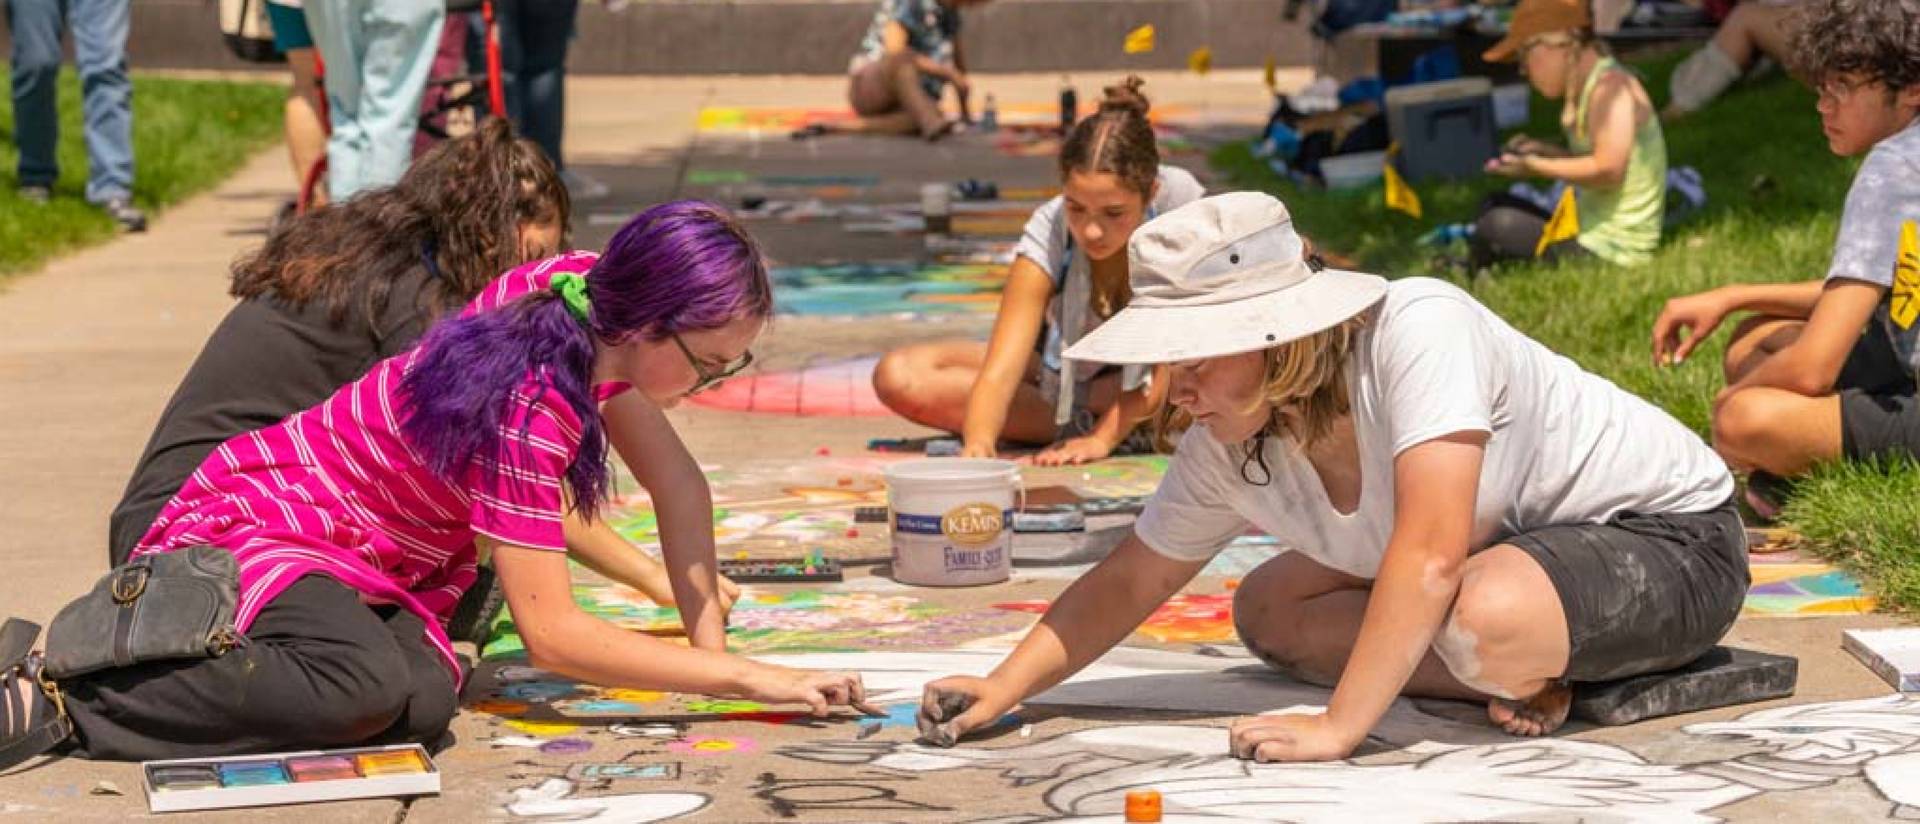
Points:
(990, 116)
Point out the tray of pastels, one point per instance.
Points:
(289, 778)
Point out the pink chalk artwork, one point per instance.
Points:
(710, 745)
(834, 389)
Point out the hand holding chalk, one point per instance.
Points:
(952, 707)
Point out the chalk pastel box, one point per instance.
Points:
(289, 778)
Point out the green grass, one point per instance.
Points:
(187, 136)
(1775, 195)
(1866, 517)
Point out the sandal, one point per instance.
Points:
(37, 722)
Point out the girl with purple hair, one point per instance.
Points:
(356, 524)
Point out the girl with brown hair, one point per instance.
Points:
(1069, 274)
(339, 289)
(1473, 516)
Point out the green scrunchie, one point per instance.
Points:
(572, 290)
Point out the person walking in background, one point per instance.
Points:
(100, 52)
(378, 54)
(306, 134)
(534, 36)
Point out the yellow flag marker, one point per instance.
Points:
(1904, 308)
(1563, 225)
(1140, 40)
(1400, 196)
(1201, 60)
(1270, 73)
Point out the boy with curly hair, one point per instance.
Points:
(1825, 369)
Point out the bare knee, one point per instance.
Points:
(893, 381)
(1268, 622)
(1744, 426)
(902, 382)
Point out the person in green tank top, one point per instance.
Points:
(1615, 161)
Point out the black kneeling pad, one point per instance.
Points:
(1721, 678)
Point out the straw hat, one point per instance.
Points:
(1220, 276)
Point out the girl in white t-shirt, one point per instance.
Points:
(1069, 275)
(1474, 516)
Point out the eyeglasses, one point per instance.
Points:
(707, 380)
(1838, 89)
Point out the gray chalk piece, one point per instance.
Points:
(1721, 678)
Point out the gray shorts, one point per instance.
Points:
(1878, 411)
(1644, 593)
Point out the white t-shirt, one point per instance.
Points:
(1047, 243)
(1565, 446)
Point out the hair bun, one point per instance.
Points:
(1126, 97)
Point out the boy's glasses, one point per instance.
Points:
(708, 379)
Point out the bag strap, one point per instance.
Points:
(18, 664)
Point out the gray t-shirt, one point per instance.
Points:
(1879, 239)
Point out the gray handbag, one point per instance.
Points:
(170, 605)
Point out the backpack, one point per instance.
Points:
(249, 34)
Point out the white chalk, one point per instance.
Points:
(1026, 730)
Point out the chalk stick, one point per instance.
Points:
(1725, 676)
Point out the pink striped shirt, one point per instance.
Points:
(336, 490)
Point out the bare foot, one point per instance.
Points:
(1536, 716)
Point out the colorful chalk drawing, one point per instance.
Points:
(779, 121)
(787, 508)
(763, 622)
(1418, 766)
(1195, 619)
(900, 289)
(1787, 584)
(838, 388)
(1088, 773)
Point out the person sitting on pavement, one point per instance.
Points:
(1824, 369)
(336, 291)
(1615, 161)
(356, 524)
(910, 54)
(1473, 516)
(1068, 275)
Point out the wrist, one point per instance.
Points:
(1345, 728)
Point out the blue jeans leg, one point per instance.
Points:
(100, 50)
(378, 55)
(534, 35)
(35, 28)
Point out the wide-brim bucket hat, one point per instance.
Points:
(1221, 276)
